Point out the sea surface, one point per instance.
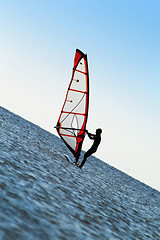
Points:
(42, 196)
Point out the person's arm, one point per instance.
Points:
(90, 135)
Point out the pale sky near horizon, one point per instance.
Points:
(38, 40)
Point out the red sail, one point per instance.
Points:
(72, 121)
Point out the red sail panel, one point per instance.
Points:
(72, 121)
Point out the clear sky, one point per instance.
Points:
(38, 40)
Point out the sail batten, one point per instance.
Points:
(80, 71)
(77, 91)
(82, 114)
(72, 121)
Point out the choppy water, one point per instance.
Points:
(42, 196)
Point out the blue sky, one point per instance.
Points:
(38, 40)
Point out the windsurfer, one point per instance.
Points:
(97, 139)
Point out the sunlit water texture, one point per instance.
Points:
(42, 196)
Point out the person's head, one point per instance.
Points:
(98, 131)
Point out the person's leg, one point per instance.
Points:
(86, 155)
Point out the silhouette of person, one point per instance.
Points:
(97, 139)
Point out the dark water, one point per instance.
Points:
(44, 197)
